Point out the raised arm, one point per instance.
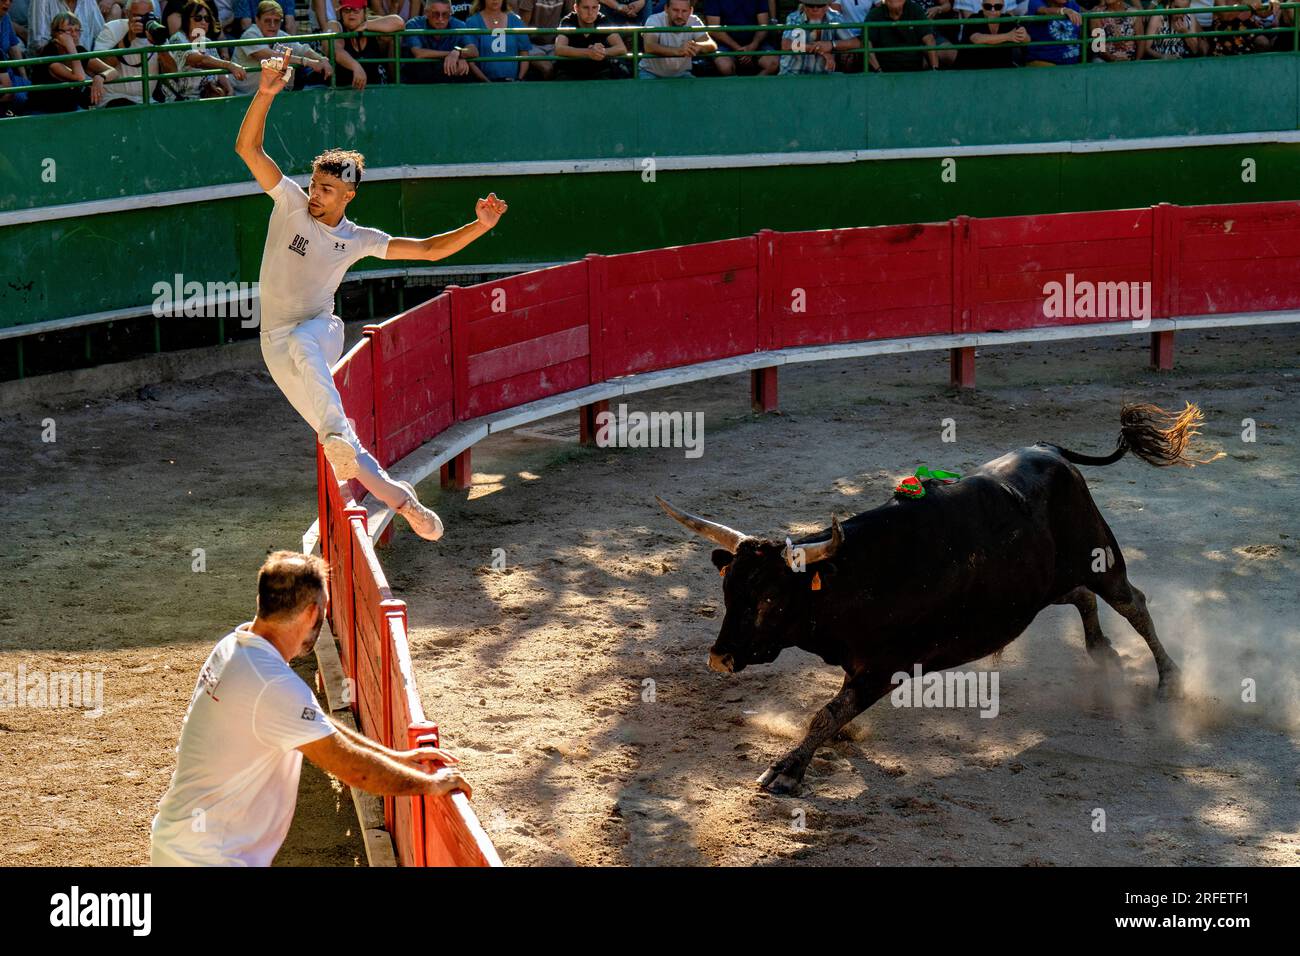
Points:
(248, 144)
(488, 211)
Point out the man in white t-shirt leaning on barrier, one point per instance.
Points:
(251, 721)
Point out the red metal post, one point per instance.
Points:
(587, 425)
(762, 389)
(961, 367)
(456, 473)
(1162, 351)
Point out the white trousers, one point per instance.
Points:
(299, 358)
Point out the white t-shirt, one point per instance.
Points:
(672, 66)
(305, 260)
(244, 56)
(232, 797)
(106, 42)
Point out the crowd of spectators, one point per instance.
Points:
(817, 37)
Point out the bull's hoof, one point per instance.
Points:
(1170, 687)
(779, 781)
(1105, 657)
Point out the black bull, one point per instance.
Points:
(940, 580)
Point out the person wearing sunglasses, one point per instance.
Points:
(66, 38)
(200, 30)
(994, 43)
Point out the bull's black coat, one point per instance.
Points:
(940, 580)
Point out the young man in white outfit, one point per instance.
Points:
(251, 721)
(310, 244)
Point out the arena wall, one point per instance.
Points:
(425, 385)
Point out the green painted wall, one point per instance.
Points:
(90, 264)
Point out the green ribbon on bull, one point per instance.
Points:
(912, 487)
(944, 476)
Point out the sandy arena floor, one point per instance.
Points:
(537, 673)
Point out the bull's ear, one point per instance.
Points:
(722, 559)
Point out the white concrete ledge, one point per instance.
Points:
(427, 459)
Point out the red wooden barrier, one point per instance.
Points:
(500, 344)
(1240, 258)
(525, 338)
(848, 285)
(413, 380)
(679, 306)
(1016, 258)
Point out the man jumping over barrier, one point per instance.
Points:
(310, 244)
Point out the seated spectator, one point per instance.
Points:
(349, 53)
(1169, 47)
(245, 12)
(587, 55)
(882, 58)
(1243, 25)
(1117, 48)
(18, 17)
(42, 15)
(673, 54)
(964, 9)
(12, 78)
(544, 15)
(267, 25)
(200, 29)
(1265, 16)
(740, 13)
(1064, 30)
(118, 36)
(995, 41)
(496, 15)
(810, 48)
(624, 14)
(440, 59)
(66, 30)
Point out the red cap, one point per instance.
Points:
(352, 4)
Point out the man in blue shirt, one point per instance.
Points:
(10, 49)
(1064, 29)
(441, 59)
(740, 13)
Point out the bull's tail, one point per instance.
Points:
(1156, 436)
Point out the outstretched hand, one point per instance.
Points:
(276, 75)
(489, 211)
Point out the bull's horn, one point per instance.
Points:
(819, 550)
(719, 534)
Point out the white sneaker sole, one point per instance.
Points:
(341, 456)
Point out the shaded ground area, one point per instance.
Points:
(97, 574)
(540, 674)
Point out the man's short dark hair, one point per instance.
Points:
(288, 582)
(346, 164)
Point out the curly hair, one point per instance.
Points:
(346, 164)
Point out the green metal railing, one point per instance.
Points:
(1086, 38)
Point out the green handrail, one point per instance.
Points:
(636, 54)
